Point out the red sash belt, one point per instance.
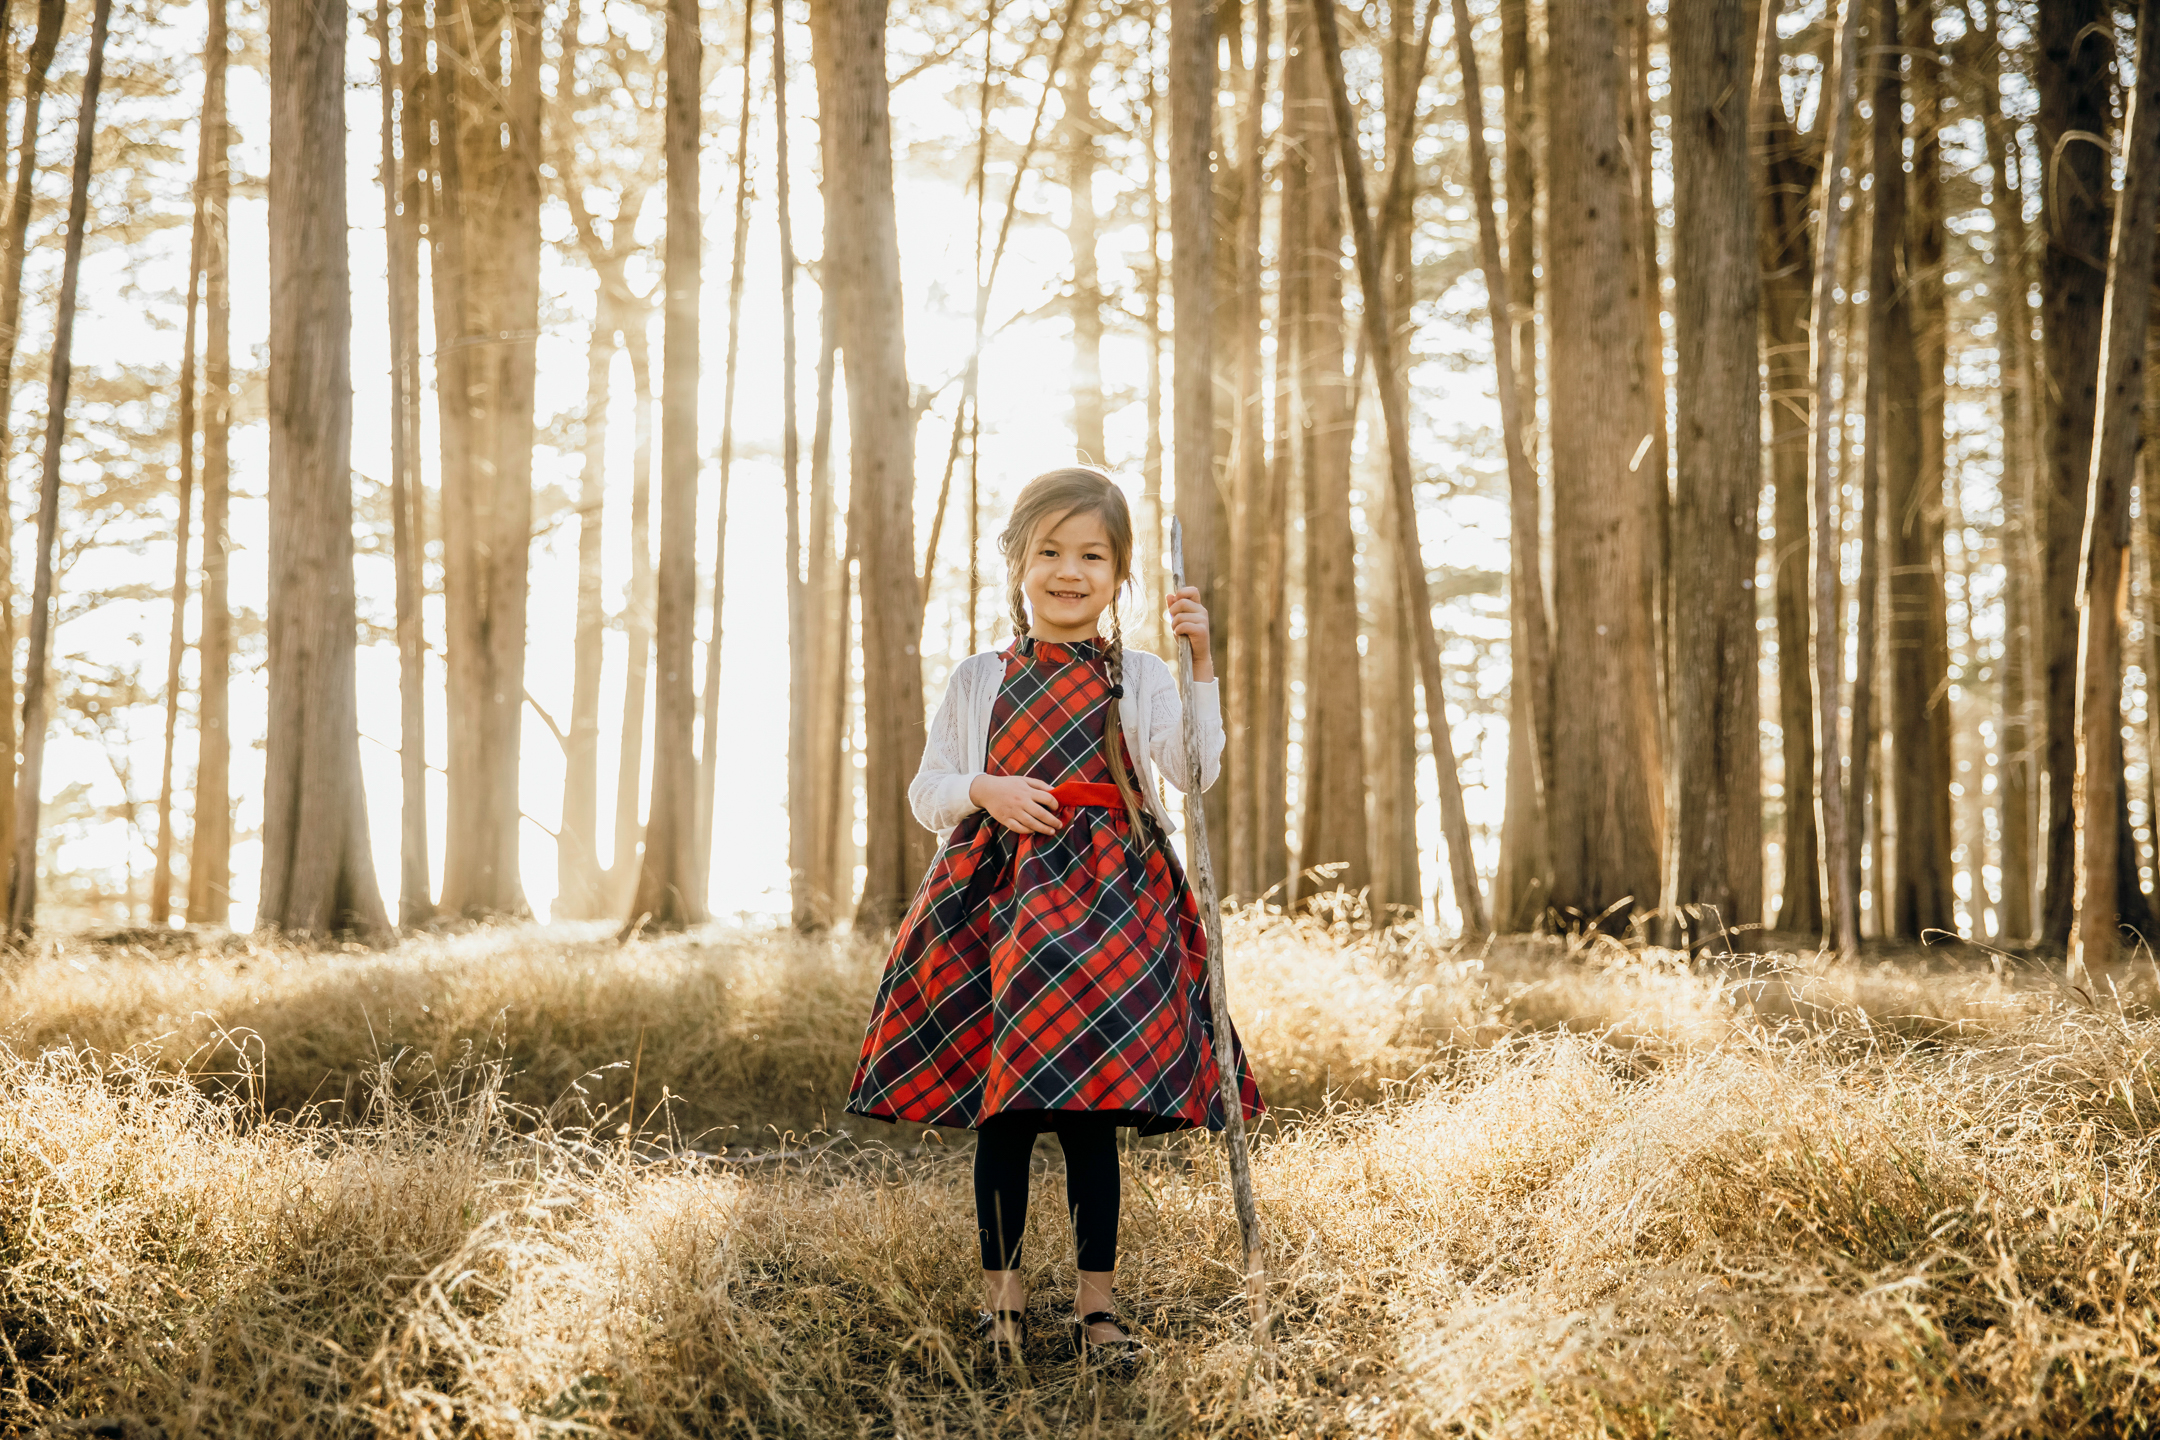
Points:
(1087, 792)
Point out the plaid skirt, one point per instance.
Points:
(1049, 972)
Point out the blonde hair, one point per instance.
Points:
(1048, 498)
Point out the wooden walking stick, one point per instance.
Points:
(1226, 1067)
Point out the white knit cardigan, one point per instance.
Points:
(1151, 715)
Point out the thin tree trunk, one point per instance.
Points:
(1270, 767)
(829, 639)
(1655, 467)
(862, 254)
(318, 872)
(1249, 640)
(1841, 92)
(1788, 179)
(209, 898)
(577, 841)
(2104, 566)
(1192, 284)
(1379, 329)
(2020, 405)
(1332, 826)
(709, 760)
(1921, 898)
(1148, 544)
(669, 894)
(1523, 882)
(802, 834)
(176, 646)
(52, 16)
(1716, 854)
(2071, 68)
(23, 894)
(629, 828)
(1079, 126)
(416, 900)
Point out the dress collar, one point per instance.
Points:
(1061, 652)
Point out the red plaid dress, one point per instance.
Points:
(1049, 972)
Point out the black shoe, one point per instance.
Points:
(1120, 1357)
(992, 1350)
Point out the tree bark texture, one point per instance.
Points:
(1522, 886)
(1717, 762)
(1791, 170)
(492, 49)
(318, 870)
(670, 894)
(1908, 264)
(52, 16)
(402, 128)
(209, 898)
(1251, 520)
(2104, 570)
(1192, 285)
(1606, 803)
(1331, 827)
(2071, 70)
(862, 259)
(22, 900)
(2020, 400)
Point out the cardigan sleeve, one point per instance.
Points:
(1166, 727)
(939, 792)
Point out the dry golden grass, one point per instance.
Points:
(1541, 1190)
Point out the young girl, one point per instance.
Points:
(1050, 973)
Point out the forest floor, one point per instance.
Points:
(522, 1181)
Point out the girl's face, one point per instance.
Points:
(1071, 576)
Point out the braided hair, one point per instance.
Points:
(1046, 500)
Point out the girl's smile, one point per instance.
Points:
(1071, 576)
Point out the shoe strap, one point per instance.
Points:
(1098, 1317)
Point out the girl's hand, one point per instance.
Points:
(1188, 617)
(1017, 802)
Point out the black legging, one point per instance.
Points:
(1003, 1144)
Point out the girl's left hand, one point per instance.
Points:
(1189, 618)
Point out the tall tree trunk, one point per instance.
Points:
(1789, 177)
(862, 254)
(2071, 70)
(1654, 469)
(628, 839)
(1523, 883)
(494, 57)
(1078, 129)
(1192, 286)
(1892, 419)
(1921, 897)
(2103, 570)
(2020, 401)
(1148, 542)
(209, 899)
(1379, 330)
(1391, 674)
(1606, 804)
(1331, 829)
(1270, 767)
(802, 836)
(1247, 655)
(1717, 762)
(176, 646)
(22, 902)
(670, 894)
(709, 758)
(830, 892)
(318, 870)
(402, 128)
(52, 16)
(578, 892)
(1841, 93)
